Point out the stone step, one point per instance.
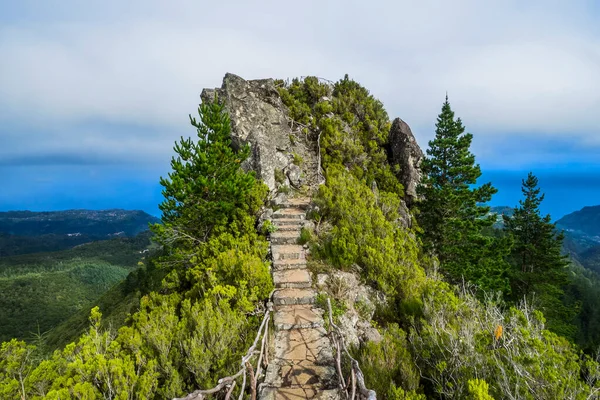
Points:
(292, 278)
(285, 237)
(287, 252)
(302, 347)
(289, 213)
(300, 374)
(290, 227)
(301, 203)
(280, 265)
(299, 393)
(297, 317)
(280, 222)
(291, 296)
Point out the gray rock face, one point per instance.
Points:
(360, 300)
(259, 118)
(404, 151)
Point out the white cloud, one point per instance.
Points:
(509, 67)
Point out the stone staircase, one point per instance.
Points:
(303, 365)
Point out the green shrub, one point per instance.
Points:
(397, 393)
(306, 236)
(478, 390)
(364, 309)
(297, 159)
(285, 189)
(389, 363)
(338, 307)
(268, 227)
(279, 176)
(363, 234)
(354, 126)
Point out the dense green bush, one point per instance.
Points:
(389, 363)
(459, 339)
(364, 231)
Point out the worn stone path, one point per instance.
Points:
(303, 363)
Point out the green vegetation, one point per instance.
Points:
(285, 189)
(388, 362)
(584, 292)
(338, 308)
(306, 236)
(40, 291)
(590, 258)
(279, 176)
(214, 268)
(297, 159)
(439, 340)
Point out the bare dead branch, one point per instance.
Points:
(252, 381)
(228, 395)
(336, 334)
(199, 394)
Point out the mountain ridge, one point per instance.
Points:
(27, 232)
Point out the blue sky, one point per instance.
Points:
(93, 94)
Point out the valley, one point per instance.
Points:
(55, 265)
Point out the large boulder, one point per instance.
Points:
(259, 118)
(404, 152)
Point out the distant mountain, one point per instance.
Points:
(582, 236)
(584, 223)
(25, 232)
(103, 223)
(590, 258)
(500, 211)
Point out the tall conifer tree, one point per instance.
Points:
(539, 269)
(450, 212)
(207, 188)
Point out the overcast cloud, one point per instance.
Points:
(105, 82)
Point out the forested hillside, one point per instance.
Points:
(39, 291)
(585, 221)
(462, 310)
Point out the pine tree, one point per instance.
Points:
(539, 269)
(207, 186)
(450, 213)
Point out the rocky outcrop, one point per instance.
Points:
(404, 152)
(360, 301)
(281, 156)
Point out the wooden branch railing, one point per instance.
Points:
(357, 378)
(246, 368)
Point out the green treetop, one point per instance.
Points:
(539, 268)
(450, 214)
